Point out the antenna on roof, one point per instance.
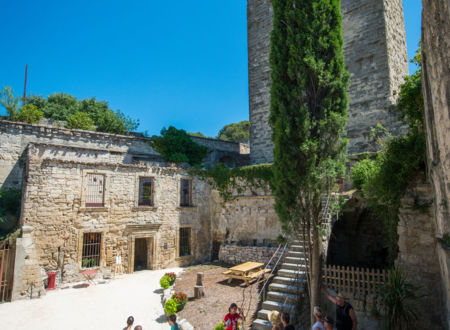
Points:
(25, 86)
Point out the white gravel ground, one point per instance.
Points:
(101, 306)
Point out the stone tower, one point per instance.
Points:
(375, 55)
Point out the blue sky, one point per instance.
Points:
(181, 63)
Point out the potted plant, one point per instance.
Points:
(170, 307)
(181, 299)
(172, 276)
(165, 282)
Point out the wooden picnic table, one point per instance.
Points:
(247, 271)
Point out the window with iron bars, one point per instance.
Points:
(185, 242)
(145, 191)
(91, 250)
(186, 192)
(95, 190)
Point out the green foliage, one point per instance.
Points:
(236, 132)
(61, 106)
(165, 282)
(89, 262)
(30, 114)
(384, 180)
(9, 102)
(80, 120)
(230, 181)
(220, 326)
(446, 239)
(396, 297)
(197, 134)
(308, 107)
(170, 307)
(10, 204)
(176, 146)
(362, 171)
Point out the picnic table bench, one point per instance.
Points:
(248, 271)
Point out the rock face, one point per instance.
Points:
(436, 90)
(375, 55)
(417, 255)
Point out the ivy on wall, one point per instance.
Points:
(235, 181)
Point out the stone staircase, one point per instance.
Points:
(286, 287)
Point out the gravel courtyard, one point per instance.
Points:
(102, 306)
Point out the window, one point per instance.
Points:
(186, 192)
(91, 250)
(95, 190)
(185, 242)
(145, 191)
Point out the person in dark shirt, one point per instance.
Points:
(286, 319)
(345, 314)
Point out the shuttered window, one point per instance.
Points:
(145, 191)
(185, 242)
(95, 190)
(186, 192)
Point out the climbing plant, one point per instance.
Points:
(385, 179)
(235, 181)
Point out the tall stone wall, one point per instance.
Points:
(375, 56)
(417, 255)
(54, 204)
(436, 91)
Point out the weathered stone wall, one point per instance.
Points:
(54, 204)
(436, 91)
(14, 137)
(375, 56)
(417, 253)
(236, 254)
(244, 220)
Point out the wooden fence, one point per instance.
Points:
(355, 280)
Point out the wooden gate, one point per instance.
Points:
(7, 258)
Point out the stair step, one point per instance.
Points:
(295, 260)
(298, 248)
(293, 266)
(298, 254)
(282, 297)
(288, 280)
(260, 324)
(278, 306)
(286, 288)
(291, 273)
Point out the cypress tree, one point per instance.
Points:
(308, 117)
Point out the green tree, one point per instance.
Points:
(176, 146)
(197, 134)
(60, 106)
(80, 120)
(236, 132)
(30, 114)
(9, 102)
(308, 117)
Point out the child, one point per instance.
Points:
(231, 319)
(173, 322)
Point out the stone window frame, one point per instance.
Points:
(102, 262)
(136, 193)
(192, 245)
(84, 175)
(191, 202)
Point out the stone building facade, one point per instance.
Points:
(375, 56)
(436, 91)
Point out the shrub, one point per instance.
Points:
(396, 298)
(362, 171)
(180, 298)
(172, 276)
(170, 307)
(80, 120)
(29, 113)
(220, 326)
(165, 282)
(10, 202)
